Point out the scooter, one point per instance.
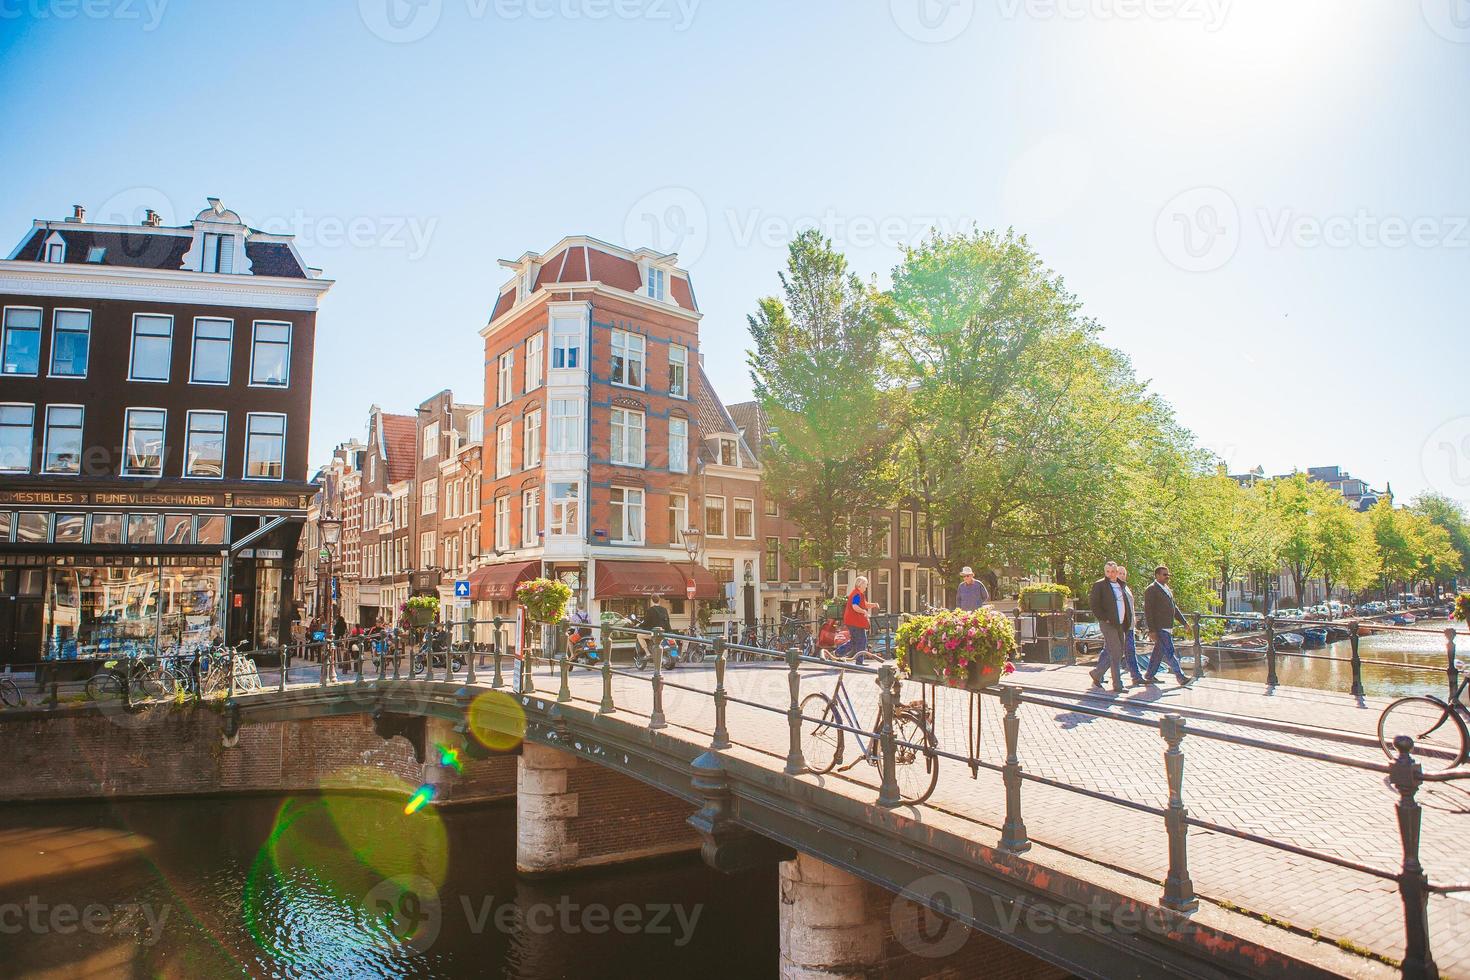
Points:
(583, 648)
(669, 649)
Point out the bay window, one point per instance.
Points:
(564, 513)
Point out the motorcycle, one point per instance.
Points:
(669, 650)
(435, 648)
(583, 648)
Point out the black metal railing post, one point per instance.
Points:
(322, 664)
(382, 656)
(888, 795)
(523, 654)
(1406, 775)
(1178, 889)
(795, 763)
(1270, 653)
(656, 716)
(606, 707)
(360, 643)
(564, 692)
(472, 652)
(285, 666)
(396, 645)
(498, 679)
(1013, 834)
(1354, 638)
(721, 738)
(230, 658)
(1199, 647)
(1451, 671)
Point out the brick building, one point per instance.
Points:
(446, 505)
(386, 528)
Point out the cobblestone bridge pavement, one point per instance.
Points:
(1335, 809)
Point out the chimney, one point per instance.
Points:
(215, 204)
(78, 213)
(151, 219)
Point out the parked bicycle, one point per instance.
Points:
(828, 719)
(10, 695)
(1437, 726)
(134, 679)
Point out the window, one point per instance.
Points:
(152, 346)
(22, 354)
(265, 446)
(270, 355)
(505, 384)
(16, 423)
(96, 254)
(905, 535)
(71, 341)
(429, 499)
(885, 538)
(657, 283)
(475, 430)
(678, 517)
(714, 517)
(426, 549)
(530, 516)
(906, 587)
(793, 559)
(219, 253)
(566, 343)
(143, 442)
(210, 362)
(744, 517)
(55, 252)
(566, 425)
(564, 519)
(678, 371)
(678, 444)
(770, 508)
(430, 448)
(627, 516)
(882, 589)
(62, 451)
(772, 570)
(502, 450)
(502, 522)
(531, 440)
(627, 359)
(535, 360)
(729, 454)
(627, 437)
(143, 528)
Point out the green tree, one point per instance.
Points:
(818, 371)
(1449, 515)
(1347, 553)
(1399, 546)
(1237, 531)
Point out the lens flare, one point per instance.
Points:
(420, 799)
(449, 757)
(497, 720)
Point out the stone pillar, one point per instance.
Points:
(830, 926)
(545, 806)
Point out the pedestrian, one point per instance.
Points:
(1134, 661)
(656, 617)
(856, 617)
(1112, 605)
(1160, 613)
(972, 593)
(339, 628)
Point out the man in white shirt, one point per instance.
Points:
(1112, 604)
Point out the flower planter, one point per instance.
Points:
(1043, 601)
(983, 677)
(420, 615)
(926, 667)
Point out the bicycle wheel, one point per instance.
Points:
(155, 684)
(104, 686)
(1439, 734)
(821, 739)
(9, 693)
(917, 769)
(694, 654)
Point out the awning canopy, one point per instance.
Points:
(619, 579)
(498, 582)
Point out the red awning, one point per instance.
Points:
(617, 579)
(499, 582)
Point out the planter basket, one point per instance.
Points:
(1043, 601)
(929, 669)
(420, 615)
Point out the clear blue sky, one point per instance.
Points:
(1264, 203)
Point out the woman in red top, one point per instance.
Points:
(856, 616)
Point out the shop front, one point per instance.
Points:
(93, 574)
(624, 588)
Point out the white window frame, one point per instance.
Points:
(678, 445)
(46, 440)
(658, 283)
(724, 516)
(229, 349)
(735, 507)
(5, 329)
(427, 546)
(505, 378)
(133, 348)
(124, 469)
(290, 349)
(502, 522)
(429, 498)
(504, 446)
(430, 448)
(555, 503)
(535, 357)
(531, 439)
(628, 533)
(625, 428)
(571, 424)
(625, 349)
(734, 445)
(30, 437)
(55, 250)
(679, 505)
(224, 442)
(530, 516)
(224, 260)
(682, 363)
(57, 329)
(567, 328)
(245, 471)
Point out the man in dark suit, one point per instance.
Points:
(1112, 604)
(1160, 613)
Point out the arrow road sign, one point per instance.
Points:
(462, 589)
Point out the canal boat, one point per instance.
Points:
(1335, 633)
(1290, 641)
(1313, 636)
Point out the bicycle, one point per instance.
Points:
(137, 679)
(10, 695)
(827, 719)
(1437, 726)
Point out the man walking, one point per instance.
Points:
(1135, 662)
(1112, 604)
(972, 593)
(1160, 613)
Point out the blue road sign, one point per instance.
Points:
(462, 589)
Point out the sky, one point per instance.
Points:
(1265, 204)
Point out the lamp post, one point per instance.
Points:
(692, 537)
(329, 530)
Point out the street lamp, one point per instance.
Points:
(692, 537)
(329, 528)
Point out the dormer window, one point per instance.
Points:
(729, 454)
(219, 253)
(657, 283)
(96, 253)
(55, 249)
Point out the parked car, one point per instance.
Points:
(1087, 639)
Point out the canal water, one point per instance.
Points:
(1409, 652)
(349, 886)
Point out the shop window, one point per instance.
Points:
(210, 530)
(7, 521)
(107, 528)
(33, 527)
(143, 529)
(70, 528)
(178, 529)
